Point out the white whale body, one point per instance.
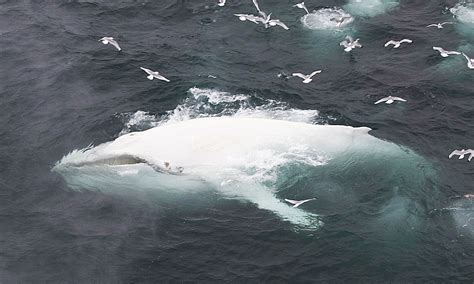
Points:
(238, 157)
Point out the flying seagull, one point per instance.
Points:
(221, 3)
(297, 203)
(389, 100)
(154, 74)
(340, 20)
(396, 44)
(247, 17)
(440, 25)
(306, 78)
(445, 53)
(111, 40)
(301, 6)
(462, 153)
(470, 61)
(349, 43)
(271, 23)
(469, 196)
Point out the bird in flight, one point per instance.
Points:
(445, 53)
(389, 100)
(440, 25)
(396, 44)
(306, 78)
(154, 74)
(297, 203)
(112, 41)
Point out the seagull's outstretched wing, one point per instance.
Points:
(456, 152)
(390, 42)
(148, 71)
(278, 23)
(115, 44)
(314, 73)
(158, 76)
(447, 23)
(406, 40)
(467, 57)
(381, 100)
(349, 38)
(398, 99)
(432, 25)
(255, 3)
(302, 76)
(297, 203)
(438, 49)
(453, 52)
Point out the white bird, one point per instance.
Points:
(349, 43)
(306, 78)
(396, 44)
(462, 153)
(470, 61)
(445, 53)
(389, 100)
(255, 3)
(247, 17)
(297, 203)
(302, 6)
(221, 3)
(440, 25)
(111, 40)
(340, 20)
(154, 74)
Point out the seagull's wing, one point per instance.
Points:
(314, 73)
(390, 42)
(344, 43)
(467, 57)
(294, 202)
(406, 40)
(349, 38)
(115, 43)
(455, 152)
(398, 99)
(158, 76)
(302, 76)
(432, 25)
(303, 201)
(453, 52)
(438, 49)
(447, 23)
(148, 71)
(279, 23)
(381, 100)
(255, 3)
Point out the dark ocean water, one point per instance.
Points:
(61, 89)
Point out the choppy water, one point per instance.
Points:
(381, 216)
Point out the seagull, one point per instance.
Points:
(154, 74)
(340, 20)
(445, 53)
(440, 25)
(111, 40)
(301, 6)
(462, 153)
(297, 203)
(247, 17)
(389, 100)
(396, 44)
(469, 196)
(459, 153)
(306, 78)
(221, 3)
(470, 61)
(349, 43)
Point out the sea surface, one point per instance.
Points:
(379, 220)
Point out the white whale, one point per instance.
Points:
(237, 156)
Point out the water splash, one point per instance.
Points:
(325, 19)
(370, 8)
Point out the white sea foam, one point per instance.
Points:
(369, 8)
(464, 12)
(321, 19)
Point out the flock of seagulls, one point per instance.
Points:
(348, 44)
